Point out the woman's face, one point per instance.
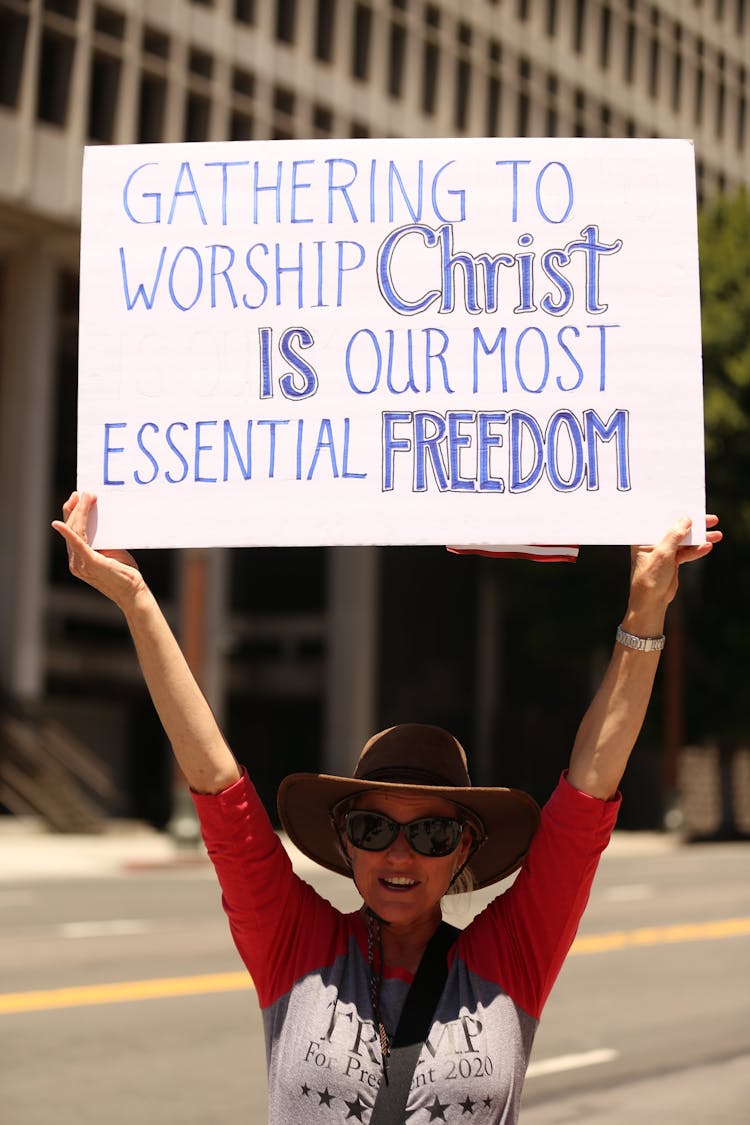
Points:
(401, 886)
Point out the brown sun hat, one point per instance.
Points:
(416, 759)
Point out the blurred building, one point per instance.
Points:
(304, 672)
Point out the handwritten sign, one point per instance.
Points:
(432, 341)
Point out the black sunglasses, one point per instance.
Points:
(428, 835)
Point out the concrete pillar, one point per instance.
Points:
(352, 653)
(29, 334)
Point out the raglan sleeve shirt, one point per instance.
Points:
(309, 965)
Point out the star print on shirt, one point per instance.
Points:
(436, 1109)
(325, 1097)
(467, 1106)
(356, 1108)
(305, 1090)
(488, 1102)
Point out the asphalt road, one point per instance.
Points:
(649, 1021)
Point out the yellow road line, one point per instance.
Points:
(662, 935)
(123, 991)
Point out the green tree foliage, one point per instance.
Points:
(724, 238)
(719, 602)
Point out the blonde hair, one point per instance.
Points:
(463, 884)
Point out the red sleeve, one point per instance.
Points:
(282, 928)
(522, 938)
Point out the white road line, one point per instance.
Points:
(571, 1062)
(116, 927)
(628, 892)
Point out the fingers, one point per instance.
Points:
(76, 511)
(713, 535)
(69, 534)
(690, 554)
(679, 530)
(76, 545)
(676, 534)
(82, 503)
(70, 505)
(700, 550)
(668, 546)
(114, 573)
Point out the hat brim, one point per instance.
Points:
(510, 818)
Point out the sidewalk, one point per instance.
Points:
(28, 851)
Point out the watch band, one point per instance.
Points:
(639, 644)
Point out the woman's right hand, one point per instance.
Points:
(198, 744)
(113, 573)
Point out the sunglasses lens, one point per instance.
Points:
(371, 831)
(374, 832)
(434, 836)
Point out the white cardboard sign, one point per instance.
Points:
(396, 341)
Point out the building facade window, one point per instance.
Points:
(104, 88)
(721, 96)
(551, 117)
(430, 59)
(741, 110)
(396, 54)
(579, 25)
(631, 45)
(361, 33)
(605, 35)
(286, 14)
(244, 11)
(494, 95)
(325, 23)
(56, 55)
(152, 91)
(579, 121)
(284, 108)
(700, 80)
(14, 22)
(523, 100)
(654, 54)
(463, 77)
(242, 109)
(322, 121)
(109, 23)
(676, 83)
(68, 9)
(198, 96)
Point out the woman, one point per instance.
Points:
(408, 827)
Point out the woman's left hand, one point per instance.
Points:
(654, 575)
(612, 723)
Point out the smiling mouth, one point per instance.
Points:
(398, 883)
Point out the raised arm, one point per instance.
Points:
(612, 723)
(200, 749)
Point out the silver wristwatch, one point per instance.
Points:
(639, 644)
